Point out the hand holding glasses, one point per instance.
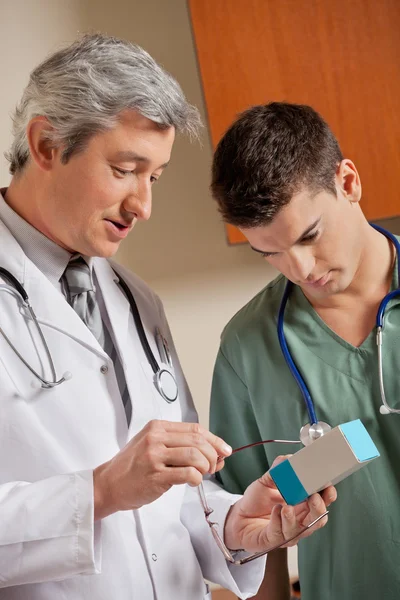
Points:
(263, 523)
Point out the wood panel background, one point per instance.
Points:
(223, 595)
(342, 57)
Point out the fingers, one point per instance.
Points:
(222, 448)
(284, 526)
(192, 435)
(312, 508)
(187, 457)
(275, 533)
(280, 459)
(329, 495)
(192, 447)
(219, 445)
(181, 475)
(317, 508)
(291, 526)
(220, 464)
(266, 479)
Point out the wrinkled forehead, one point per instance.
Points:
(135, 138)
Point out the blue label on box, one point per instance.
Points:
(288, 483)
(360, 441)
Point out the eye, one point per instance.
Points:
(122, 172)
(268, 254)
(310, 237)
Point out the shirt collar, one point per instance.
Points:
(49, 258)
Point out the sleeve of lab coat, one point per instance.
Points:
(47, 532)
(243, 580)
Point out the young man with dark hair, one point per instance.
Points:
(279, 175)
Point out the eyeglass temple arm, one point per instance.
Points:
(214, 526)
(228, 554)
(264, 442)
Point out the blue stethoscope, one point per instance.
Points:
(163, 377)
(315, 429)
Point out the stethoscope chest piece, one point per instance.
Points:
(166, 384)
(310, 433)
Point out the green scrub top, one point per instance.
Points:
(356, 556)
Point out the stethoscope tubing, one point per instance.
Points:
(163, 378)
(288, 357)
(20, 289)
(379, 327)
(139, 325)
(160, 374)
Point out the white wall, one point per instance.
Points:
(29, 30)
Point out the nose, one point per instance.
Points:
(139, 201)
(301, 263)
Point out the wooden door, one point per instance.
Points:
(340, 56)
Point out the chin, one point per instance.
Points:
(324, 292)
(102, 247)
(105, 252)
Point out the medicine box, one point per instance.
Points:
(329, 459)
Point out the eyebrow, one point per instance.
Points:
(299, 239)
(129, 156)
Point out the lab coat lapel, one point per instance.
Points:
(48, 303)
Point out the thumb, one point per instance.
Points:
(280, 459)
(266, 479)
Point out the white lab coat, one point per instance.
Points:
(50, 441)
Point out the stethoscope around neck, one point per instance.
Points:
(315, 429)
(164, 379)
(39, 381)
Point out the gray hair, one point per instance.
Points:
(83, 88)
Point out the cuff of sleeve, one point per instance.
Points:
(52, 535)
(88, 548)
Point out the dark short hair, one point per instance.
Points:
(269, 154)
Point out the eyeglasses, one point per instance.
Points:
(228, 554)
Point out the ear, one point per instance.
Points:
(348, 181)
(41, 149)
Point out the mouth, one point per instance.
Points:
(120, 228)
(320, 282)
(119, 224)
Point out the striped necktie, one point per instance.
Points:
(82, 297)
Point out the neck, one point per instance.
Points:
(373, 277)
(23, 196)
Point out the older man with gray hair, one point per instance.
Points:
(100, 449)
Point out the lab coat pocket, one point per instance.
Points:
(15, 377)
(8, 385)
